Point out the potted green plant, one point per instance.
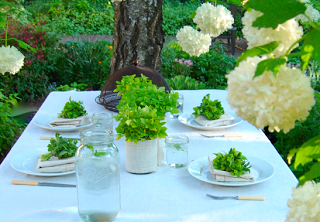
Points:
(141, 121)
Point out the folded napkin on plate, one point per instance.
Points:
(224, 176)
(223, 120)
(64, 122)
(55, 165)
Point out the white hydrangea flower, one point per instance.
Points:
(287, 33)
(267, 100)
(213, 20)
(305, 205)
(193, 42)
(11, 60)
(311, 12)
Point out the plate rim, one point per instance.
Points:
(231, 184)
(187, 116)
(35, 173)
(52, 116)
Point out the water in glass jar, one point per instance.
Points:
(99, 187)
(177, 155)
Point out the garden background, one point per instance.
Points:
(73, 41)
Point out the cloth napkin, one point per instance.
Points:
(223, 120)
(66, 123)
(55, 165)
(224, 176)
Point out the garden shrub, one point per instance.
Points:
(84, 62)
(9, 127)
(185, 82)
(32, 80)
(75, 17)
(209, 68)
(302, 132)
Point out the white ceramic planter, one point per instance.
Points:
(142, 157)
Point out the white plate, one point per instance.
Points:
(43, 121)
(261, 169)
(26, 162)
(187, 120)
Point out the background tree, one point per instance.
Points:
(138, 34)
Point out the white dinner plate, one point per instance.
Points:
(261, 169)
(43, 120)
(187, 120)
(26, 162)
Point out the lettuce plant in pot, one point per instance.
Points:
(141, 120)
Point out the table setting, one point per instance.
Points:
(171, 192)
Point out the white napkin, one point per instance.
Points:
(66, 123)
(55, 165)
(223, 120)
(224, 176)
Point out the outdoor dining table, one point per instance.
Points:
(165, 195)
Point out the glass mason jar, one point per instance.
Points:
(177, 151)
(98, 176)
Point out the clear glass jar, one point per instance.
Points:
(98, 176)
(177, 151)
(103, 120)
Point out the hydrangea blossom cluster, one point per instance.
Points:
(11, 59)
(213, 20)
(305, 205)
(287, 33)
(269, 101)
(193, 42)
(311, 12)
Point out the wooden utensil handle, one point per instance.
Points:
(250, 198)
(21, 182)
(232, 135)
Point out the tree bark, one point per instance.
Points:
(138, 34)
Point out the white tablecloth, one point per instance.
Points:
(166, 195)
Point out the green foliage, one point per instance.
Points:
(275, 12)
(185, 82)
(140, 124)
(9, 127)
(208, 108)
(272, 65)
(130, 82)
(84, 63)
(32, 80)
(209, 68)
(75, 17)
(61, 147)
(233, 162)
(299, 135)
(76, 86)
(177, 14)
(72, 109)
(140, 92)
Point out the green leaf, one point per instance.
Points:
(259, 50)
(235, 2)
(308, 149)
(311, 47)
(275, 12)
(311, 174)
(272, 65)
(24, 45)
(2, 20)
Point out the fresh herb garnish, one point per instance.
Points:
(72, 109)
(60, 147)
(208, 108)
(233, 162)
(96, 153)
(177, 146)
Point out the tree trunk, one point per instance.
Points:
(138, 34)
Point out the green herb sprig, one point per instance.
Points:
(208, 108)
(60, 147)
(72, 109)
(233, 162)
